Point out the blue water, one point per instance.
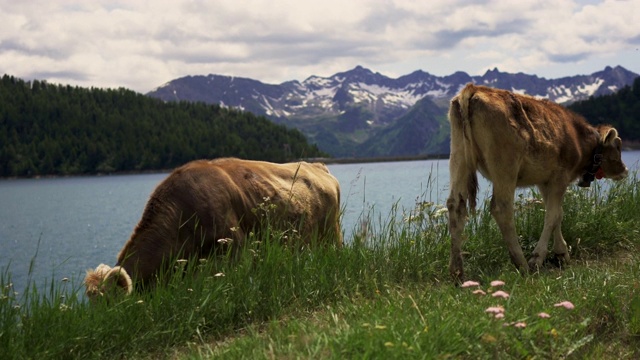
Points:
(64, 226)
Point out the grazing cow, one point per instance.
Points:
(516, 140)
(205, 201)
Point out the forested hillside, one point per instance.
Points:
(63, 130)
(621, 109)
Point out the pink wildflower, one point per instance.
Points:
(499, 316)
(500, 294)
(495, 310)
(469, 283)
(496, 283)
(544, 315)
(479, 292)
(565, 304)
(520, 325)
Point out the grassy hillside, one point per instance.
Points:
(385, 295)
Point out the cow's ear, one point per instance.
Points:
(610, 136)
(118, 280)
(102, 269)
(93, 282)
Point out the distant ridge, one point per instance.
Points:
(352, 113)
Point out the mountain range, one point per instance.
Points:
(361, 113)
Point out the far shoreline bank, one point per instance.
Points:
(325, 160)
(356, 160)
(635, 146)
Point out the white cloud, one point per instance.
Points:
(143, 44)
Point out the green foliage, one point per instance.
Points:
(621, 109)
(386, 294)
(62, 130)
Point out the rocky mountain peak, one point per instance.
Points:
(330, 109)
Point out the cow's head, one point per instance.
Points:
(612, 164)
(107, 281)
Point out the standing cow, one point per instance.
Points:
(516, 140)
(205, 201)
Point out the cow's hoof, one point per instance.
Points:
(535, 263)
(563, 259)
(458, 277)
(456, 269)
(457, 274)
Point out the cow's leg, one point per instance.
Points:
(457, 206)
(560, 247)
(503, 212)
(463, 179)
(552, 196)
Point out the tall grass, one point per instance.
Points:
(386, 294)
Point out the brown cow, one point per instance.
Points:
(516, 140)
(205, 201)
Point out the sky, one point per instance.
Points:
(141, 45)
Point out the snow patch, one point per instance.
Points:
(324, 92)
(590, 89)
(563, 99)
(370, 92)
(317, 81)
(437, 93)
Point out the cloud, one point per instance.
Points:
(141, 45)
(75, 75)
(447, 39)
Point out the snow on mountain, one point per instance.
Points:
(362, 87)
(331, 109)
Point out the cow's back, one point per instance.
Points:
(498, 128)
(301, 193)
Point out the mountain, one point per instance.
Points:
(357, 112)
(621, 110)
(421, 131)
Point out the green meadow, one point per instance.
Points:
(386, 294)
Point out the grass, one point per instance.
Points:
(385, 295)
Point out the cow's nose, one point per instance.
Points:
(621, 175)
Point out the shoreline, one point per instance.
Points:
(325, 160)
(355, 160)
(634, 146)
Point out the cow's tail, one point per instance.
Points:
(463, 159)
(464, 99)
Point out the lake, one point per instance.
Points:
(60, 227)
